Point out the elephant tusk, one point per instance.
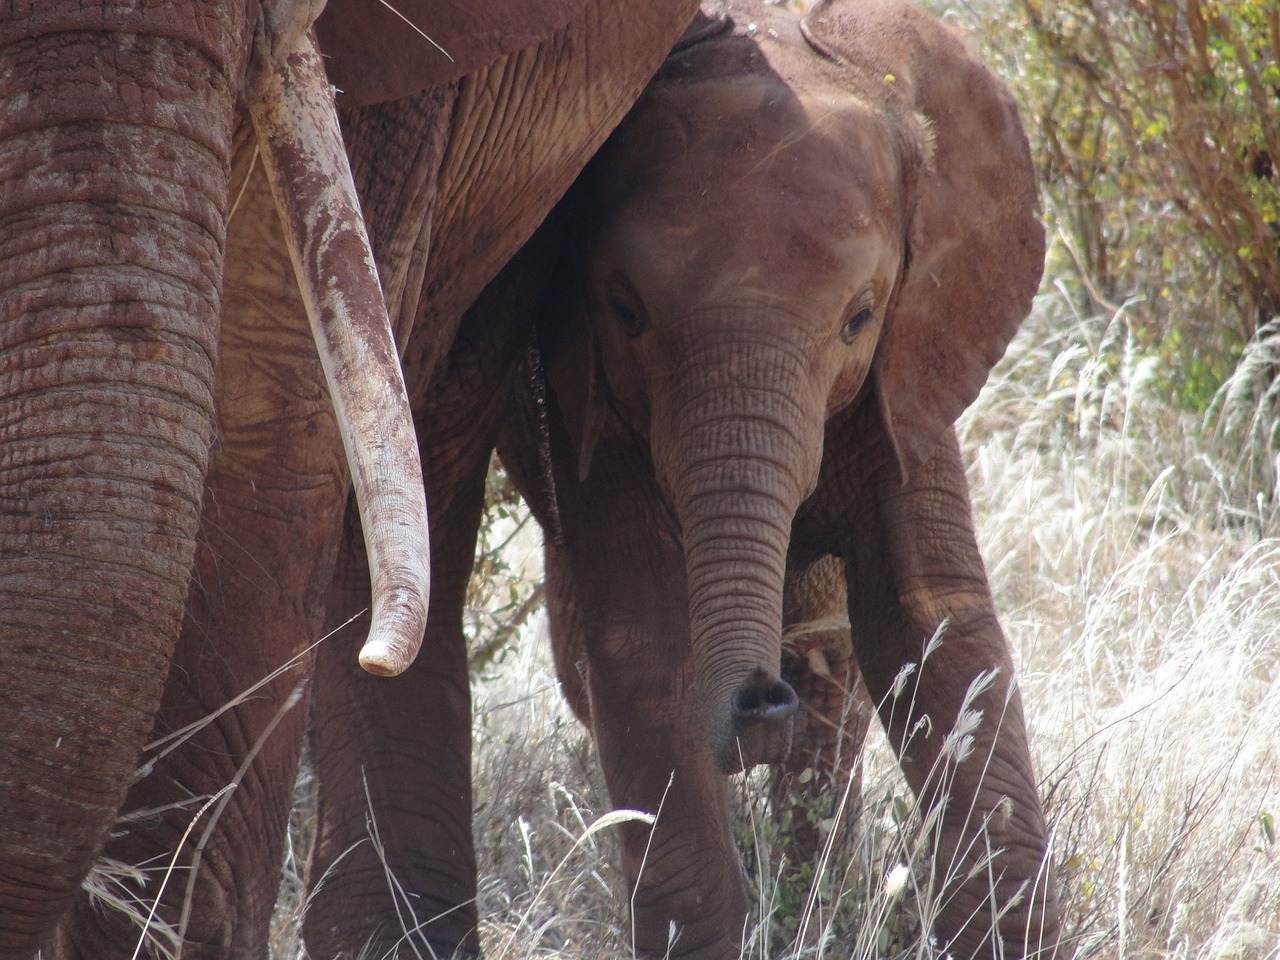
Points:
(306, 163)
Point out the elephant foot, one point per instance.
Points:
(397, 947)
(118, 927)
(386, 920)
(1008, 924)
(1000, 900)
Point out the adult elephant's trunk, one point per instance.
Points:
(115, 142)
(115, 151)
(737, 439)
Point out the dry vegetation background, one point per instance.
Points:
(1124, 469)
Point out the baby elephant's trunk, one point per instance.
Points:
(763, 710)
(737, 440)
(735, 550)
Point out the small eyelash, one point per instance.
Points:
(630, 320)
(855, 323)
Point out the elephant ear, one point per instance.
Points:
(574, 367)
(975, 246)
(376, 51)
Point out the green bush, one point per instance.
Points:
(1156, 128)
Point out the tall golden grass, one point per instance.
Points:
(1133, 552)
(1138, 581)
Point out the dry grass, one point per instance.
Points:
(1134, 556)
(1133, 552)
(1132, 549)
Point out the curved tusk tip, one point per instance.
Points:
(381, 660)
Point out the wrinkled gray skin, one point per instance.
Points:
(173, 485)
(785, 276)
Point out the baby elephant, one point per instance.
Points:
(787, 273)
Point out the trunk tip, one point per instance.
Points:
(762, 715)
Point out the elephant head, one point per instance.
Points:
(793, 220)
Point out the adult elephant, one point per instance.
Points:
(166, 420)
(790, 270)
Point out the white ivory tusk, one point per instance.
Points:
(302, 149)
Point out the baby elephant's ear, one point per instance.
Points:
(976, 243)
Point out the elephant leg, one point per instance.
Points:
(952, 709)
(626, 593)
(568, 644)
(629, 682)
(393, 755)
(394, 861)
(274, 497)
(821, 779)
(687, 895)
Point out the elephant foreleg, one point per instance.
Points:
(394, 755)
(951, 707)
(627, 595)
(687, 898)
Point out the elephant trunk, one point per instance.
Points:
(115, 152)
(115, 146)
(737, 437)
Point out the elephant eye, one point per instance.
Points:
(628, 317)
(855, 323)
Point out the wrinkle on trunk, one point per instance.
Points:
(115, 148)
(737, 440)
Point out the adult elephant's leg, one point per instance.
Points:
(115, 140)
(394, 862)
(275, 494)
(393, 756)
(820, 782)
(913, 564)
